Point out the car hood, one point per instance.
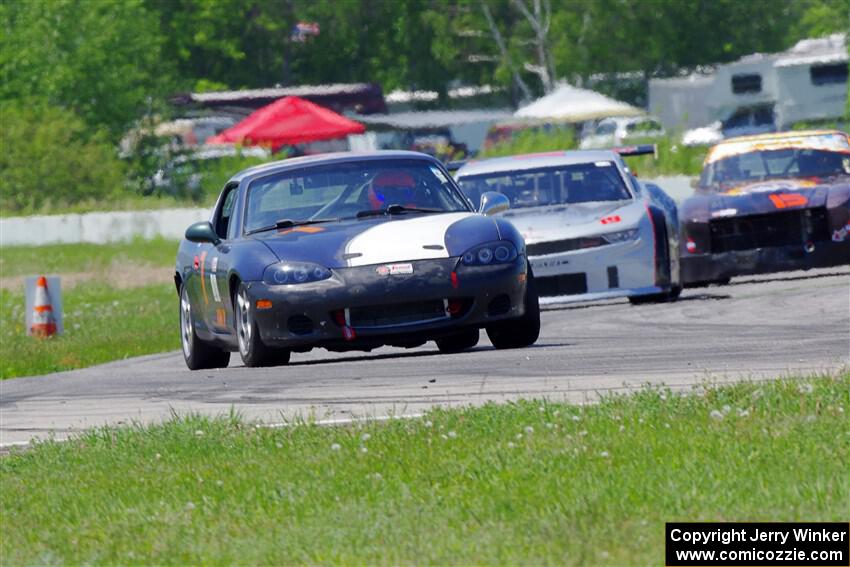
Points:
(540, 224)
(768, 196)
(364, 242)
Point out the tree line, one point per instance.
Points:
(105, 64)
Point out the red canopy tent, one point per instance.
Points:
(288, 121)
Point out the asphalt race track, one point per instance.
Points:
(755, 328)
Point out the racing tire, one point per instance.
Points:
(463, 340)
(199, 355)
(521, 332)
(706, 283)
(252, 349)
(671, 295)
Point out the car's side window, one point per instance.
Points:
(225, 211)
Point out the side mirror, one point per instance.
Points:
(202, 232)
(493, 202)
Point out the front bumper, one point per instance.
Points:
(697, 268)
(307, 315)
(615, 270)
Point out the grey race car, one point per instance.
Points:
(592, 230)
(350, 252)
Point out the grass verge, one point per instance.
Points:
(112, 307)
(68, 258)
(531, 482)
(101, 324)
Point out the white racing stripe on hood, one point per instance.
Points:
(403, 240)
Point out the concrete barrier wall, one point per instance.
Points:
(100, 228)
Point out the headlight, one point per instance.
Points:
(501, 252)
(287, 273)
(621, 236)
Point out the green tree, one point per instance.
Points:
(49, 157)
(101, 59)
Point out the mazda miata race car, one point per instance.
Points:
(350, 252)
(592, 230)
(768, 203)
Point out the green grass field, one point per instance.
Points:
(111, 308)
(531, 482)
(68, 258)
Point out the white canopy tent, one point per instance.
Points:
(572, 104)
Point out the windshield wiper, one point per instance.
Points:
(394, 210)
(289, 223)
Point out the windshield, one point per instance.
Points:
(568, 184)
(771, 164)
(342, 190)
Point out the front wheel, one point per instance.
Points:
(197, 354)
(251, 348)
(521, 332)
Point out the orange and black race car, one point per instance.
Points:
(768, 203)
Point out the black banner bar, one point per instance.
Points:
(692, 544)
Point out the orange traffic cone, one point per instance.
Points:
(43, 322)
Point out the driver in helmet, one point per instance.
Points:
(393, 188)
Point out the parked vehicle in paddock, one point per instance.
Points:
(768, 203)
(350, 252)
(592, 230)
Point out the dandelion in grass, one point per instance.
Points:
(529, 430)
(743, 412)
(189, 506)
(199, 433)
(364, 450)
(452, 435)
(805, 388)
(519, 436)
(622, 428)
(604, 454)
(115, 303)
(716, 414)
(279, 445)
(336, 447)
(550, 426)
(429, 424)
(365, 437)
(219, 483)
(511, 444)
(443, 436)
(726, 409)
(576, 418)
(582, 433)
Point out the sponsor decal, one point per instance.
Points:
(691, 246)
(767, 187)
(603, 163)
(841, 234)
(220, 317)
(724, 213)
(203, 263)
(304, 229)
(610, 219)
(196, 263)
(395, 270)
(786, 200)
(214, 279)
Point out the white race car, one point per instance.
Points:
(592, 230)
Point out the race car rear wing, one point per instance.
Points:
(641, 150)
